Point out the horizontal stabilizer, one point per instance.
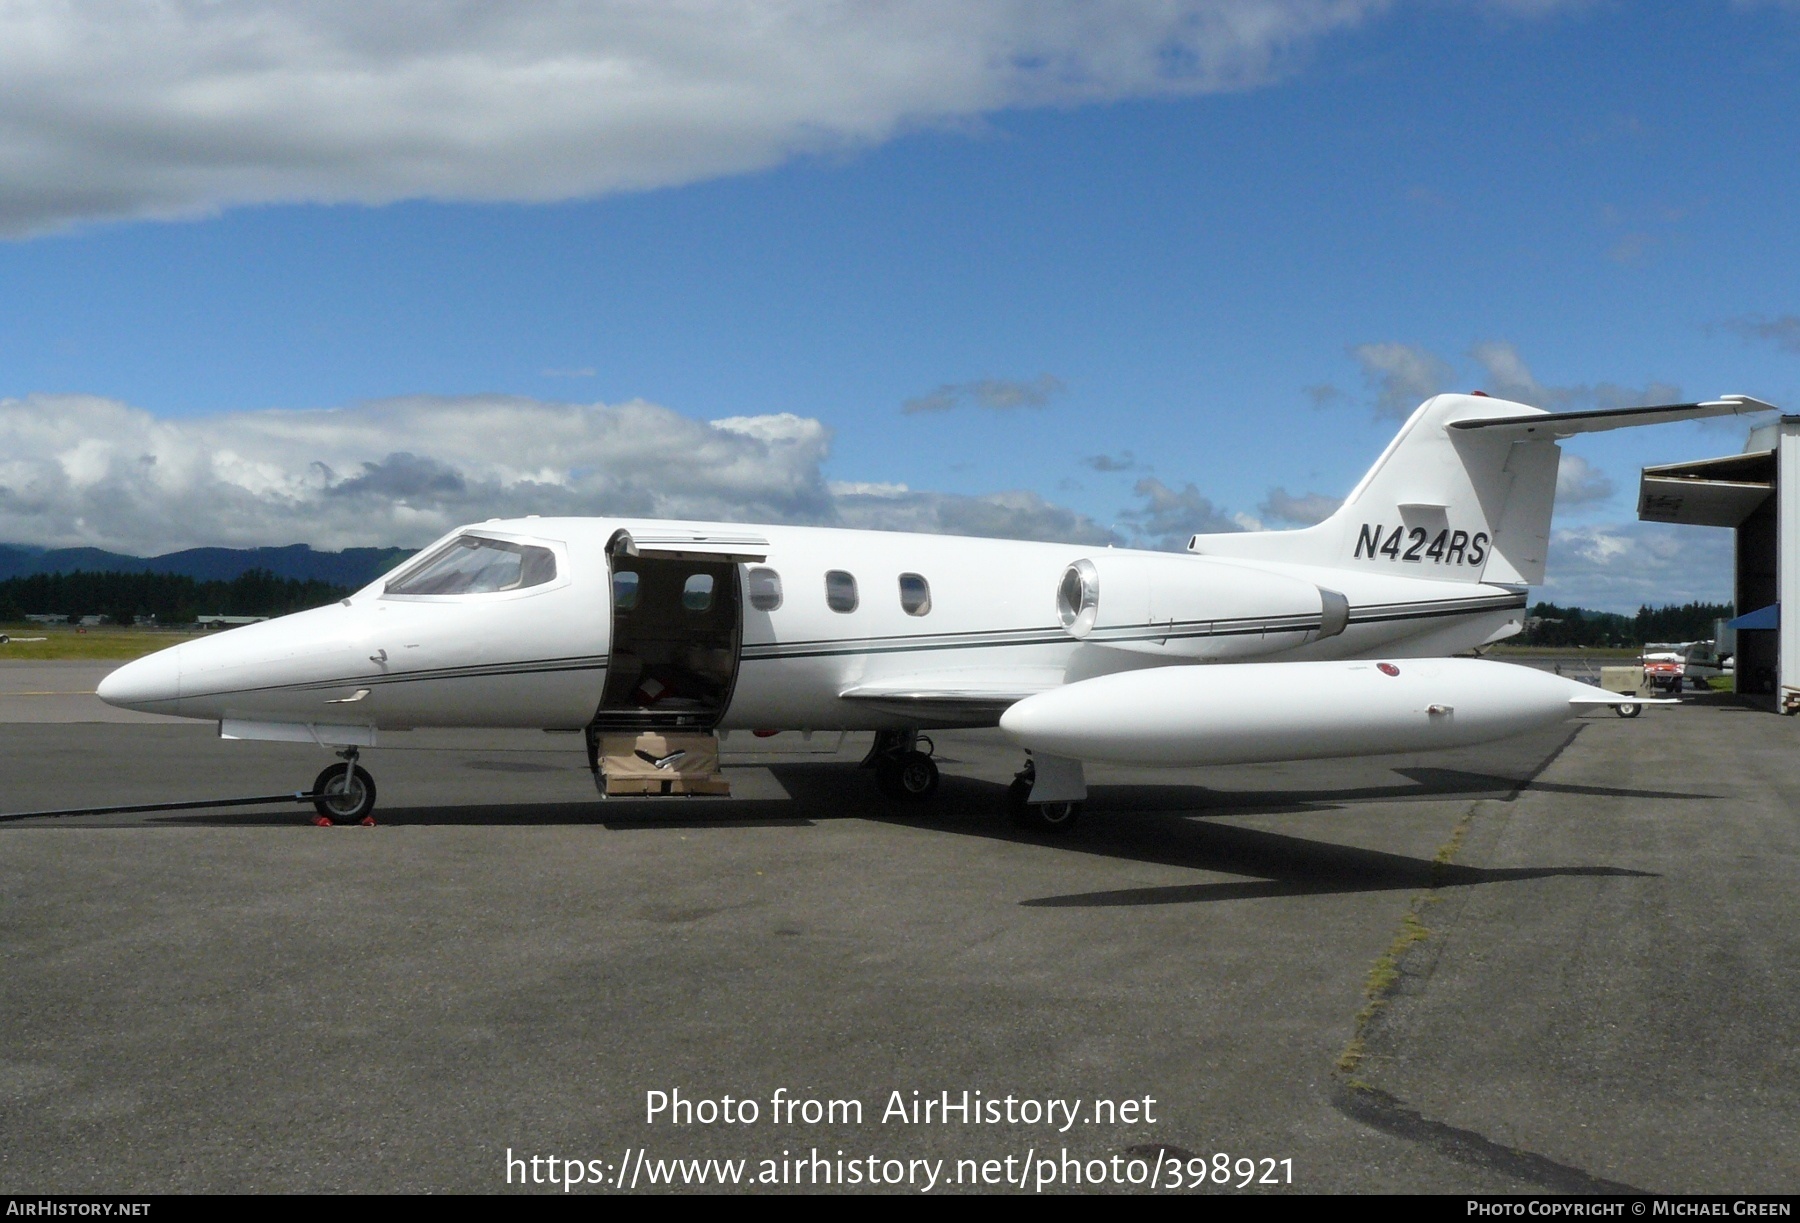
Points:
(1550, 426)
(1600, 696)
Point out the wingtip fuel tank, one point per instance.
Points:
(1246, 713)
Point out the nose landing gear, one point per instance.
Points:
(344, 793)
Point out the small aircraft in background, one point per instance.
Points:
(1332, 640)
(1668, 665)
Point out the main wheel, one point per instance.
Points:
(1631, 710)
(1050, 817)
(1038, 817)
(911, 776)
(341, 804)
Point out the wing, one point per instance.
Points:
(950, 700)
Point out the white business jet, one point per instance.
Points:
(1335, 640)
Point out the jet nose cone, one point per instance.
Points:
(145, 684)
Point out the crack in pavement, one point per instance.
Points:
(1382, 1110)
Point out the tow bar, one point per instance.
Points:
(302, 796)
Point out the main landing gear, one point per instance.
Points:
(1038, 817)
(344, 793)
(902, 771)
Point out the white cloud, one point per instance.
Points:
(1783, 332)
(1579, 482)
(1168, 517)
(999, 394)
(1008, 515)
(867, 488)
(80, 470)
(1621, 566)
(1401, 375)
(1510, 378)
(1303, 510)
(114, 109)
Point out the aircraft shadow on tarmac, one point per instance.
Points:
(1159, 824)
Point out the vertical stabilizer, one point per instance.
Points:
(1463, 494)
(1455, 505)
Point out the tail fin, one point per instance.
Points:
(1463, 493)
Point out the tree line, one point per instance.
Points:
(1551, 625)
(122, 598)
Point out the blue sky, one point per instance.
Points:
(1216, 259)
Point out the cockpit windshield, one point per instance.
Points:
(473, 565)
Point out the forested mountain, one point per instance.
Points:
(352, 567)
(172, 598)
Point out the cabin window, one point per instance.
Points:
(915, 594)
(765, 589)
(474, 565)
(697, 592)
(840, 591)
(625, 590)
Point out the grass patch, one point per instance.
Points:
(61, 642)
(1384, 974)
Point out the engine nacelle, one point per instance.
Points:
(1190, 607)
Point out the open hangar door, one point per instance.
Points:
(1757, 494)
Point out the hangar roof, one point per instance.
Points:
(1707, 492)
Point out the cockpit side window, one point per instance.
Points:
(473, 565)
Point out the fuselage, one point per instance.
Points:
(857, 630)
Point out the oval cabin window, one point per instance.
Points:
(765, 589)
(625, 590)
(840, 591)
(915, 594)
(697, 592)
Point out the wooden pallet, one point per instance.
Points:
(666, 786)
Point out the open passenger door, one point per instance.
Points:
(677, 627)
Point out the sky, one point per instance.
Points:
(352, 274)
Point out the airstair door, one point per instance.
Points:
(677, 627)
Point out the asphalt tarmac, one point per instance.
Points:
(1585, 967)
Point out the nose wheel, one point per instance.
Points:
(344, 793)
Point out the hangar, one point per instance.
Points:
(1756, 494)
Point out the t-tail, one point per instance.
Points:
(1463, 493)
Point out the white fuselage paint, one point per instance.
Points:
(537, 657)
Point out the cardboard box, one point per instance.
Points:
(658, 764)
